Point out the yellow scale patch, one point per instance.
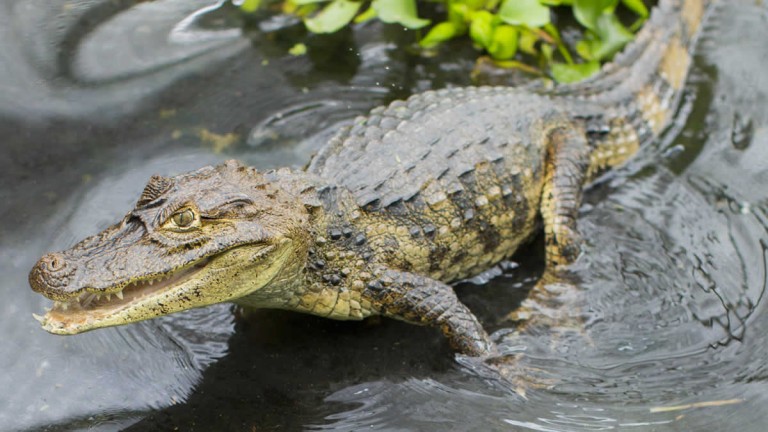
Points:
(693, 12)
(621, 144)
(674, 64)
(654, 113)
(326, 301)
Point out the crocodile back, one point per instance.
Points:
(453, 177)
(397, 151)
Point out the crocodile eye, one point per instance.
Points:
(184, 218)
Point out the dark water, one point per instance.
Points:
(95, 96)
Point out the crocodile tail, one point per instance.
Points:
(640, 89)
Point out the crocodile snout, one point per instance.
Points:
(52, 274)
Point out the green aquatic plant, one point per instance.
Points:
(503, 29)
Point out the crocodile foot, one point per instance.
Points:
(549, 323)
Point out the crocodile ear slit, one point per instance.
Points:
(156, 187)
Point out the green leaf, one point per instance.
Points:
(298, 50)
(439, 33)
(303, 11)
(503, 45)
(458, 15)
(474, 4)
(547, 51)
(366, 15)
(481, 28)
(250, 6)
(612, 37)
(492, 4)
(552, 31)
(528, 41)
(530, 13)
(458, 12)
(306, 2)
(636, 6)
(333, 17)
(584, 49)
(399, 11)
(569, 73)
(588, 11)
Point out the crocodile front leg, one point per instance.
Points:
(420, 300)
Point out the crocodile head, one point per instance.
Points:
(209, 236)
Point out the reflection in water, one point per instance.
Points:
(152, 36)
(76, 58)
(673, 275)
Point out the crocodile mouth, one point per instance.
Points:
(91, 308)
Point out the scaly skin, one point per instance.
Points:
(416, 195)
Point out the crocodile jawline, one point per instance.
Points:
(92, 304)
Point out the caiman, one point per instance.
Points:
(408, 199)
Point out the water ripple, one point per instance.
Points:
(80, 58)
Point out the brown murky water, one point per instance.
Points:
(97, 95)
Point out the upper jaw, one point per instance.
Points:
(95, 290)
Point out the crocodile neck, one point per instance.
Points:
(339, 258)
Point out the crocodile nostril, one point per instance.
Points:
(53, 262)
(51, 273)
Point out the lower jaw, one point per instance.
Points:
(79, 321)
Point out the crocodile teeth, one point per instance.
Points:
(39, 318)
(119, 295)
(64, 306)
(88, 300)
(47, 309)
(108, 296)
(151, 281)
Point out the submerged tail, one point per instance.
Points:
(641, 88)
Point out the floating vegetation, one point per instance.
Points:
(502, 29)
